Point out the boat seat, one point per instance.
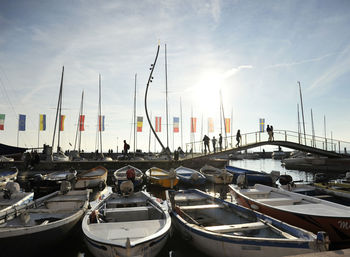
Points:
(236, 227)
(123, 230)
(128, 213)
(279, 201)
(204, 206)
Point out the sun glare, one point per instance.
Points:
(206, 94)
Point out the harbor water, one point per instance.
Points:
(74, 245)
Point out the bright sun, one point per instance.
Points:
(206, 94)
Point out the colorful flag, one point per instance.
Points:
(227, 125)
(101, 123)
(262, 125)
(82, 123)
(22, 122)
(62, 122)
(176, 124)
(158, 124)
(210, 125)
(2, 121)
(193, 124)
(42, 122)
(139, 123)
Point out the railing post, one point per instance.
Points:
(256, 138)
(245, 139)
(325, 140)
(339, 146)
(285, 135)
(259, 136)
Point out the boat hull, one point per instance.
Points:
(150, 248)
(94, 178)
(337, 228)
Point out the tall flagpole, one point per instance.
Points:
(182, 147)
(166, 99)
(135, 116)
(231, 126)
(313, 130)
(39, 131)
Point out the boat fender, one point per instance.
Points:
(241, 181)
(172, 174)
(13, 187)
(194, 176)
(127, 243)
(127, 187)
(322, 238)
(65, 187)
(25, 217)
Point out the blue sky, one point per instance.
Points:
(253, 51)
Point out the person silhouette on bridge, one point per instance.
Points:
(268, 130)
(271, 129)
(206, 140)
(214, 143)
(238, 137)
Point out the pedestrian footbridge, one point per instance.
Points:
(322, 146)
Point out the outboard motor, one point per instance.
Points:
(126, 187)
(285, 179)
(65, 187)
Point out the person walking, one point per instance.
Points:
(268, 130)
(214, 143)
(206, 140)
(271, 131)
(126, 148)
(220, 142)
(238, 137)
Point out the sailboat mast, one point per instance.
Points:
(313, 130)
(223, 117)
(302, 111)
(135, 116)
(100, 116)
(78, 132)
(166, 99)
(80, 117)
(58, 110)
(181, 124)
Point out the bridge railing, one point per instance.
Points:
(328, 144)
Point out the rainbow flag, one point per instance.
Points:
(262, 125)
(62, 122)
(22, 122)
(210, 125)
(2, 121)
(176, 124)
(42, 122)
(193, 124)
(101, 123)
(227, 125)
(158, 124)
(139, 123)
(81, 122)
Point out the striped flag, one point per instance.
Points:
(193, 124)
(176, 124)
(22, 122)
(42, 122)
(2, 121)
(101, 123)
(139, 123)
(262, 125)
(82, 123)
(63, 117)
(210, 125)
(158, 124)
(227, 125)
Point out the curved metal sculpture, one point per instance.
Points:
(149, 122)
